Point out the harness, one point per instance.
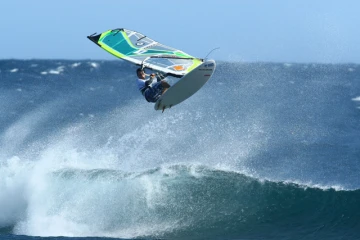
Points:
(142, 90)
(153, 95)
(148, 86)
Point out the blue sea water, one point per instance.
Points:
(262, 151)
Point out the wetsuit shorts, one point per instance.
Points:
(152, 94)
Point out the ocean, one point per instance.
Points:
(262, 151)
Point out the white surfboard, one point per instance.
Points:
(186, 86)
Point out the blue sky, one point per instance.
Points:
(323, 31)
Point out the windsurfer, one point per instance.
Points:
(150, 89)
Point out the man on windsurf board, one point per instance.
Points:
(150, 89)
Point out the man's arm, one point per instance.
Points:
(160, 76)
(150, 80)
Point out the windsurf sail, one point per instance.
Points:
(141, 50)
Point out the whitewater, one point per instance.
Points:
(262, 151)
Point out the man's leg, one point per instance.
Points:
(165, 86)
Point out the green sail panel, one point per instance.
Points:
(139, 49)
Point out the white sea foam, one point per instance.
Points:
(74, 65)
(13, 177)
(54, 72)
(310, 184)
(94, 64)
(58, 70)
(356, 99)
(14, 70)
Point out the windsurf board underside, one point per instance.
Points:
(186, 86)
